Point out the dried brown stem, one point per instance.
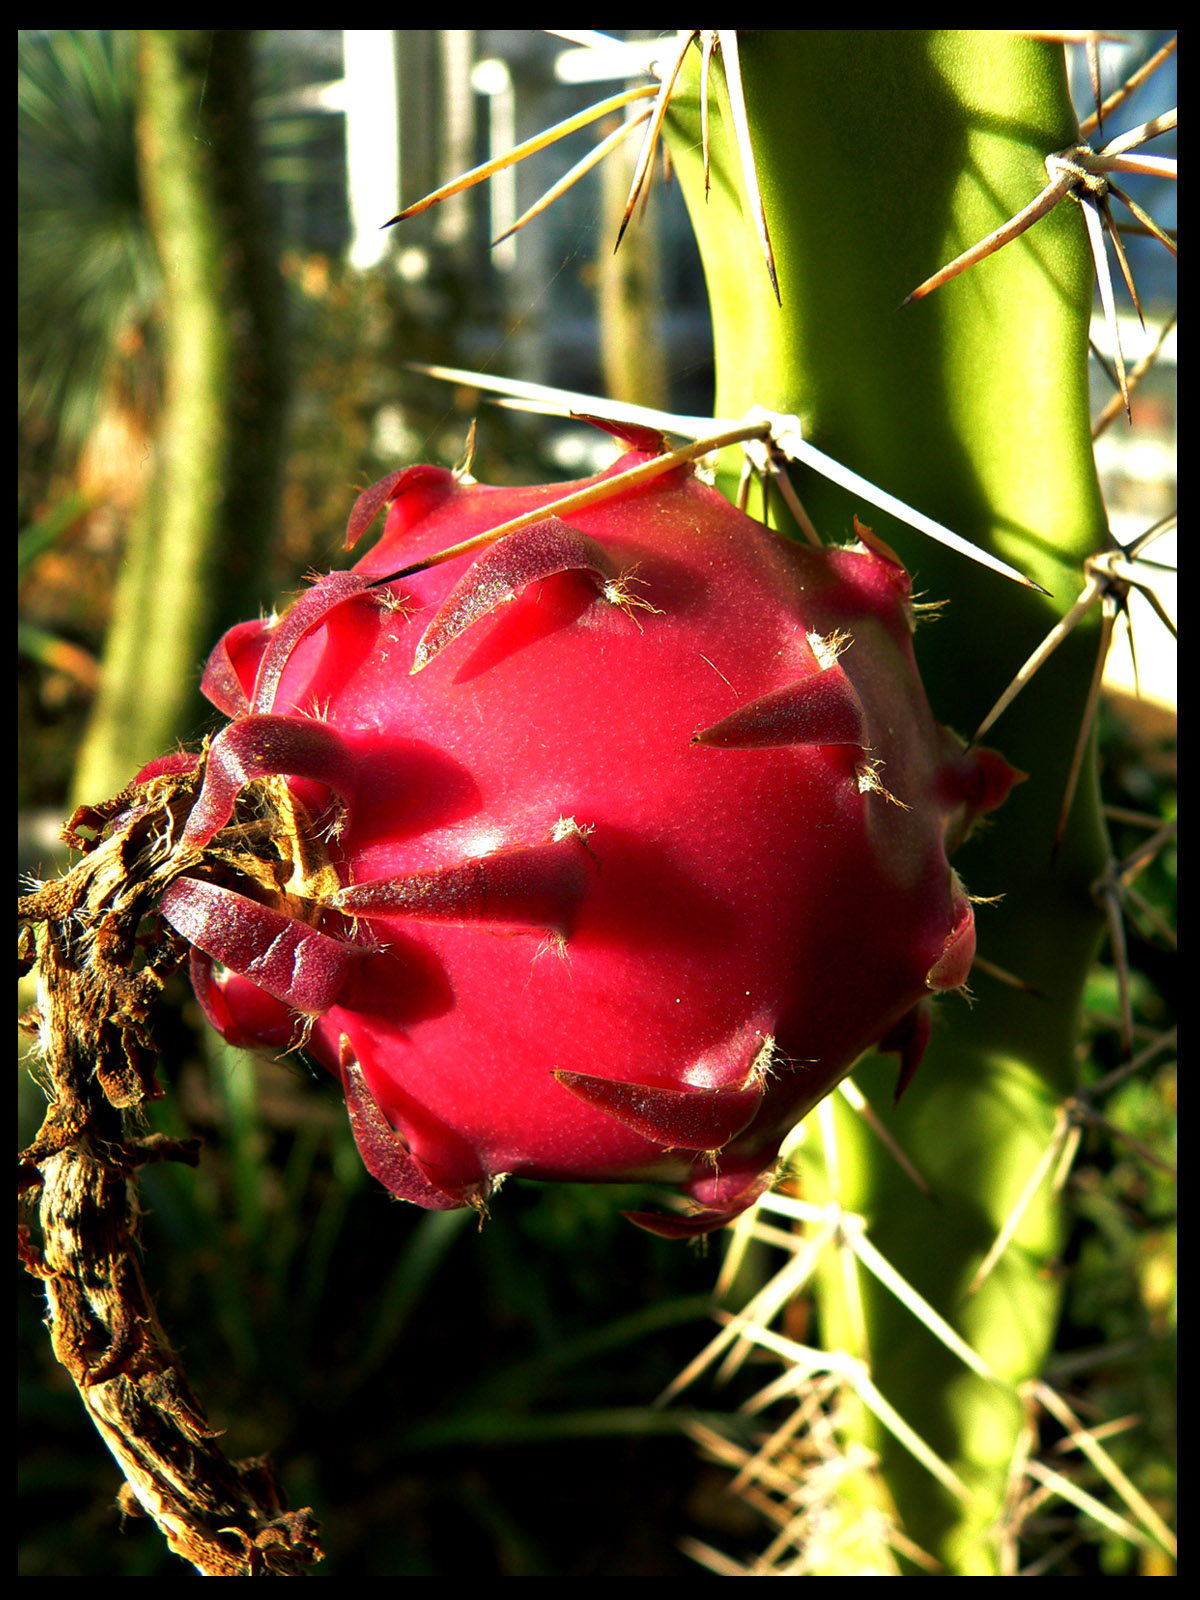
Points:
(96, 981)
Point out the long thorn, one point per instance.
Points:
(1119, 96)
(1091, 215)
(1156, 605)
(1136, 548)
(741, 129)
(708, 39)
(1023, 1201)
(1123, 607)
(1119, 950)
(646, 154)
(1037, 208)
(594, 494)
(1143, 854)
(743, 488)
(882, 1270)
(1145, 166)
(782, 431)
(1085, 1440)
(592, 159)
(518, 153)
(1142, 134)
(1003, 975)
(542, 397)
(791, 499)
(859, 1103)
(1107, 621)
(1087, 598)
(1113, 405)
(801, 450)
(1145, 219)
(1122, 261)
(1091, 46)
(1159, 530)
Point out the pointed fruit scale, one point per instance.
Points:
(387, 1157)
(167, 766)
(241, 1011)
(685, 1225)
(234, 660)
(909, 1039)
(704, 903)
(676, 1119)
(527, 556)
(971, 784)
(541, 887)
(309, 612)
(953, 965)
(262, 747)
(412, 492)
(821, 709)
(647, 441)
(286, 958)
(705, 1218)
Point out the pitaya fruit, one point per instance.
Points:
(600, 852)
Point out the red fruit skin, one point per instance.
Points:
(647, 873)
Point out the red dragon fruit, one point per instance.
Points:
(604, 849)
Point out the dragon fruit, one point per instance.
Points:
(598, 852)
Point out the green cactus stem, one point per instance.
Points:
(880, 156)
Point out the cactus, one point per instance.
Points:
(827, 175)
(873, 150)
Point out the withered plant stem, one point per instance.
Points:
(97, 977)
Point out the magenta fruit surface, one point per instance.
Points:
(630, 834)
